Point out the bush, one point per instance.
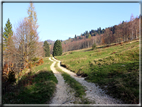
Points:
(94, 46)
(30, 65)
(35, 59)
(41, 61)
(4, 77)
(11, 76)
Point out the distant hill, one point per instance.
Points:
(123, 32)
(50, 41)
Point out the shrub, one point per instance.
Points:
(35, 59)
(94, 46)
(40, 61)
(30, 65)
(11, 76)
(4, 77)
(27, 66)
(5, 68)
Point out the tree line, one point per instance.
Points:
(125, 31)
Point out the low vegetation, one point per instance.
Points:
(34, 87)
(115, 68)
(94, 46)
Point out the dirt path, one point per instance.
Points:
(63, 93)
(93, 92)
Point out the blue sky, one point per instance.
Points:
(64, 20)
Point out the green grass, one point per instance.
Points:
(121, 81)
(33, 87)
(77, 60)
(79, 89)
(114, 68)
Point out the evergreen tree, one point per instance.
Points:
(46, 49)
(7, 34)
(75, 37)
(60, 48)
(57, 49)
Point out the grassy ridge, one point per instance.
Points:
(114, 68)
(33, 87)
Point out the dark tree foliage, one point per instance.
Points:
(46, 49)
(57, 49)
(11, 76)
(80, 37)
(113, 29)
(93, 32)
(75, 37)
(99, 30)
(7, 31)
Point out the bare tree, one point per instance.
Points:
(132, 25)
(26, 41)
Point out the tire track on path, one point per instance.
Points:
(62, 94)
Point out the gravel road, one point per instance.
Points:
(93, 93)
(64, 94)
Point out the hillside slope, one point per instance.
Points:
(114, 68)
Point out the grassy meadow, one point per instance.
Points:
(114, 68)
(35, 87)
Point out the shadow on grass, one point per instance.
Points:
(32, 89)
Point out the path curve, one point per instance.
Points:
(93, 92)
(62, 94)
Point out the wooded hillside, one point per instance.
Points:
(125, 31)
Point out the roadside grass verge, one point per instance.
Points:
(114, 68)
(79, 89)
(33, 87)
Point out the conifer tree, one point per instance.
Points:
(8, 43)
(75, 37)
(7, 34)
(60, 48)
(46, 49)
(57, 49)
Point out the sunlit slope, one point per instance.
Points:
(114, 68)
(81, 59)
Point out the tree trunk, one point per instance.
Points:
(88, 44)
(136, 33)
